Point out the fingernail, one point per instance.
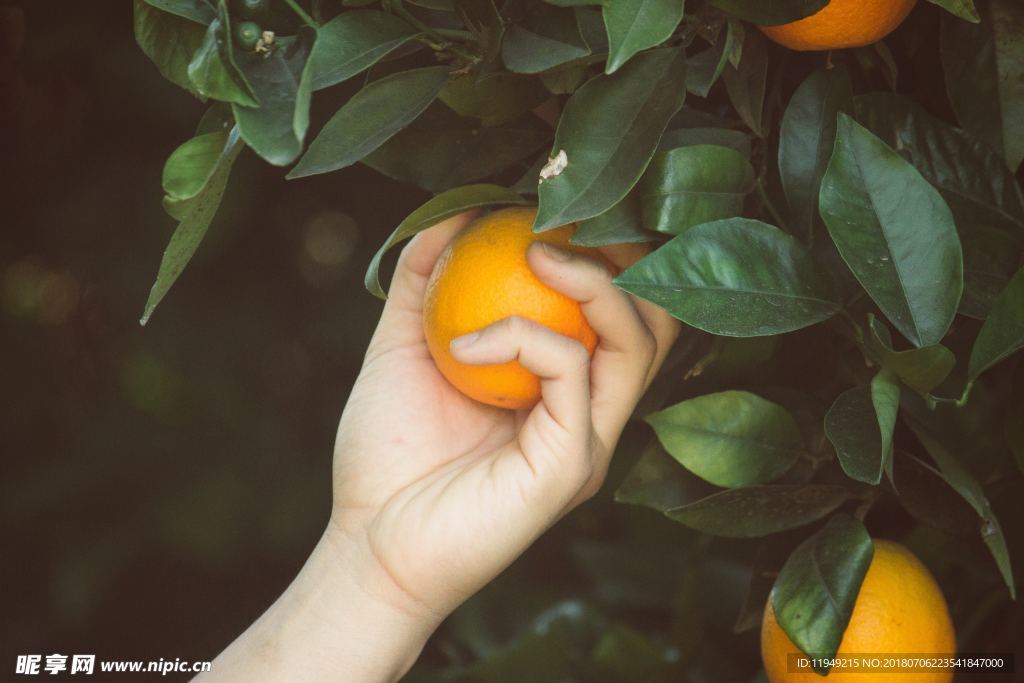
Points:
(464, 341)
(555, 253)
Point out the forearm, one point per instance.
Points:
(326, 626)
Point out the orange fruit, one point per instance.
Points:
(899, 609)
(482, 277)
(841, 24)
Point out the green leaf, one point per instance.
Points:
(922, 423)
(198, 11)
(657, 481)
(193, 225)
(168, 40)
(746, 82)
(737, 278)
(1003, 332)
(813, 596)
(494, 98)
(926, 495)
(972, 178)
(754, 511)
(807, 137)
(548, 37)
(732, 438)
(991, 255)
(618, 225)
(373, 115)
(189, 169)
(213, 71)
(984, 67)
(277, 129)
(920, 369)
(635, 25)
(770, 12)
(609, 131)
(688, 186)
(894, 232)
(437, 209)
(353, 42)
(723, 137)
(704, 68)
(860, 426)
(441, 150)
(964, 9)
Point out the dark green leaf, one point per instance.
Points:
(814, 594)
(770, 12)
(566, 79)
(723, 137)
(658, 482)
(746, 82)
(441, 150)
(754, 511)
(277, 129)
(618, 225)
(193, 225)
(971, 177)
(482, 19)
(984, 67)
(737, 277)
(1003, 332)
(926, 495)
(860, 426)
(199, 11)
(352, 42)
(434, 211)
(188, 170)
(956, 475)
(373, 115)
(895, 233)
(687, 186)
(807, 137)
(732, 438)
(964, 9)
(493, 98)
(549, 37)
(609, 131)
(213, 71)
(991, 255)
(168, 40)
(920, 369)
(635, 25)
(704, 68)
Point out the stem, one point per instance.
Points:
(440, 36)
(776, 216)
(297, 8)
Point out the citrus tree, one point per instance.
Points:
(831, 196)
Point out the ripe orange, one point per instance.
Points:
(841, 24)
(482, 277)
(899, 609)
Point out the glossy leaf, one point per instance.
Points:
(441, 150)
(618, 225)
(722, 137)
(972, 178)
(635, 25)
(657, 481)
(434, 211)
(276, 130)
(770, 12)
(753, 511)
(1003, 332)
(860, 426)
(920, 369)
(688, 186)
(704, 68)
(964, 9)
(894, 232)
(189, 169)
(737, 277)
(373, 115)
(213, 71)
(353, 42)
(984, 67)
(495, 98)
(168, 40)
(193, 225)
(814, 594)
(747, 82)
(991, 256)
(807, 137)
(549, 37)
(609, 131)
(732, 438)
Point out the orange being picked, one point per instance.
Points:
(899, 609)
(841, 24)
(482, 277)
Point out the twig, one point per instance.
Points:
(297, 8)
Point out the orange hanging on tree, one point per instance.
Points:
(842, 24)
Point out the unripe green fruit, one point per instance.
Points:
(253, 9)
(247, 33)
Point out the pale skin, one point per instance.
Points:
(434, 493)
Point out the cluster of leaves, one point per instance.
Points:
(786, 196)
